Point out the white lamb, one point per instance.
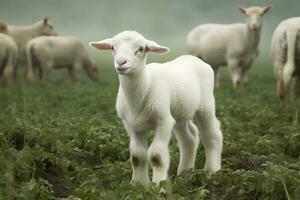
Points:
(22, 34)
(162, 97)
(286, 57)
(48, 52)
(8, 56)
(235, 45)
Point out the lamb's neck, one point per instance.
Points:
(24, 33)
(35, 29)
(252, 37)
(134, 86)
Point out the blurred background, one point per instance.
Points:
(60, 139)
(165, 21)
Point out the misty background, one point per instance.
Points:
(165, 21)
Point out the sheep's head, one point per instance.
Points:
(254, 15)
(3, 28)
(129, 50)
(92, 71)
(47, 27)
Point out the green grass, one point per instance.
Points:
(60, 140)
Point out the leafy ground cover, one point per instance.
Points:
(60, 140)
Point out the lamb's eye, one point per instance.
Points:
(112, 47)
(141, 49)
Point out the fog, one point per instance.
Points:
(165, 21)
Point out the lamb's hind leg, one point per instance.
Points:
(284, 82)
(45, 69)
(217, 77)
(8, 75)
(280, 84)
(187, 136)
(296, 87)
(211, 136)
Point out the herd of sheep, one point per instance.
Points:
(38, 49)
(163, 96)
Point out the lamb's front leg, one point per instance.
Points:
(235, 71)
(245, 74)
(158, 152)
(245, 68)
(138, 155)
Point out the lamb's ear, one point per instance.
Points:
(242, 9)
(267, 9)
(154, 47)
(45, 21)
(102, 45)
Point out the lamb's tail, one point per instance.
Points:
(29, 54)
(289, 67)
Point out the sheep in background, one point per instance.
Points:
(22, 34)
(47, 52)
(8, 56)
(235, 45)
(286, 57)
(163, 96)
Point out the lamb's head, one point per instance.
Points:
(92, 71)
(3, 28)
(129, 50)
(46, 27)
(254, 15)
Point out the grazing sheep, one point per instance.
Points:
(46, 52)
(286, 57)
(162, 97)
(22, 34)
(235, 45)
(8, 56)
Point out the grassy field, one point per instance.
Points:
(60, 140)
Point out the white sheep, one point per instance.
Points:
(8, 56)
(47, 52)
(22, 34)
(162, 97)
(235, 45)
(285, 53)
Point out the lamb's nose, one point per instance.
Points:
(255, 26)
(121, 61)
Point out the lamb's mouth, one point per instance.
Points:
(123, 70)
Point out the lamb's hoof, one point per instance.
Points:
(165, 188)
